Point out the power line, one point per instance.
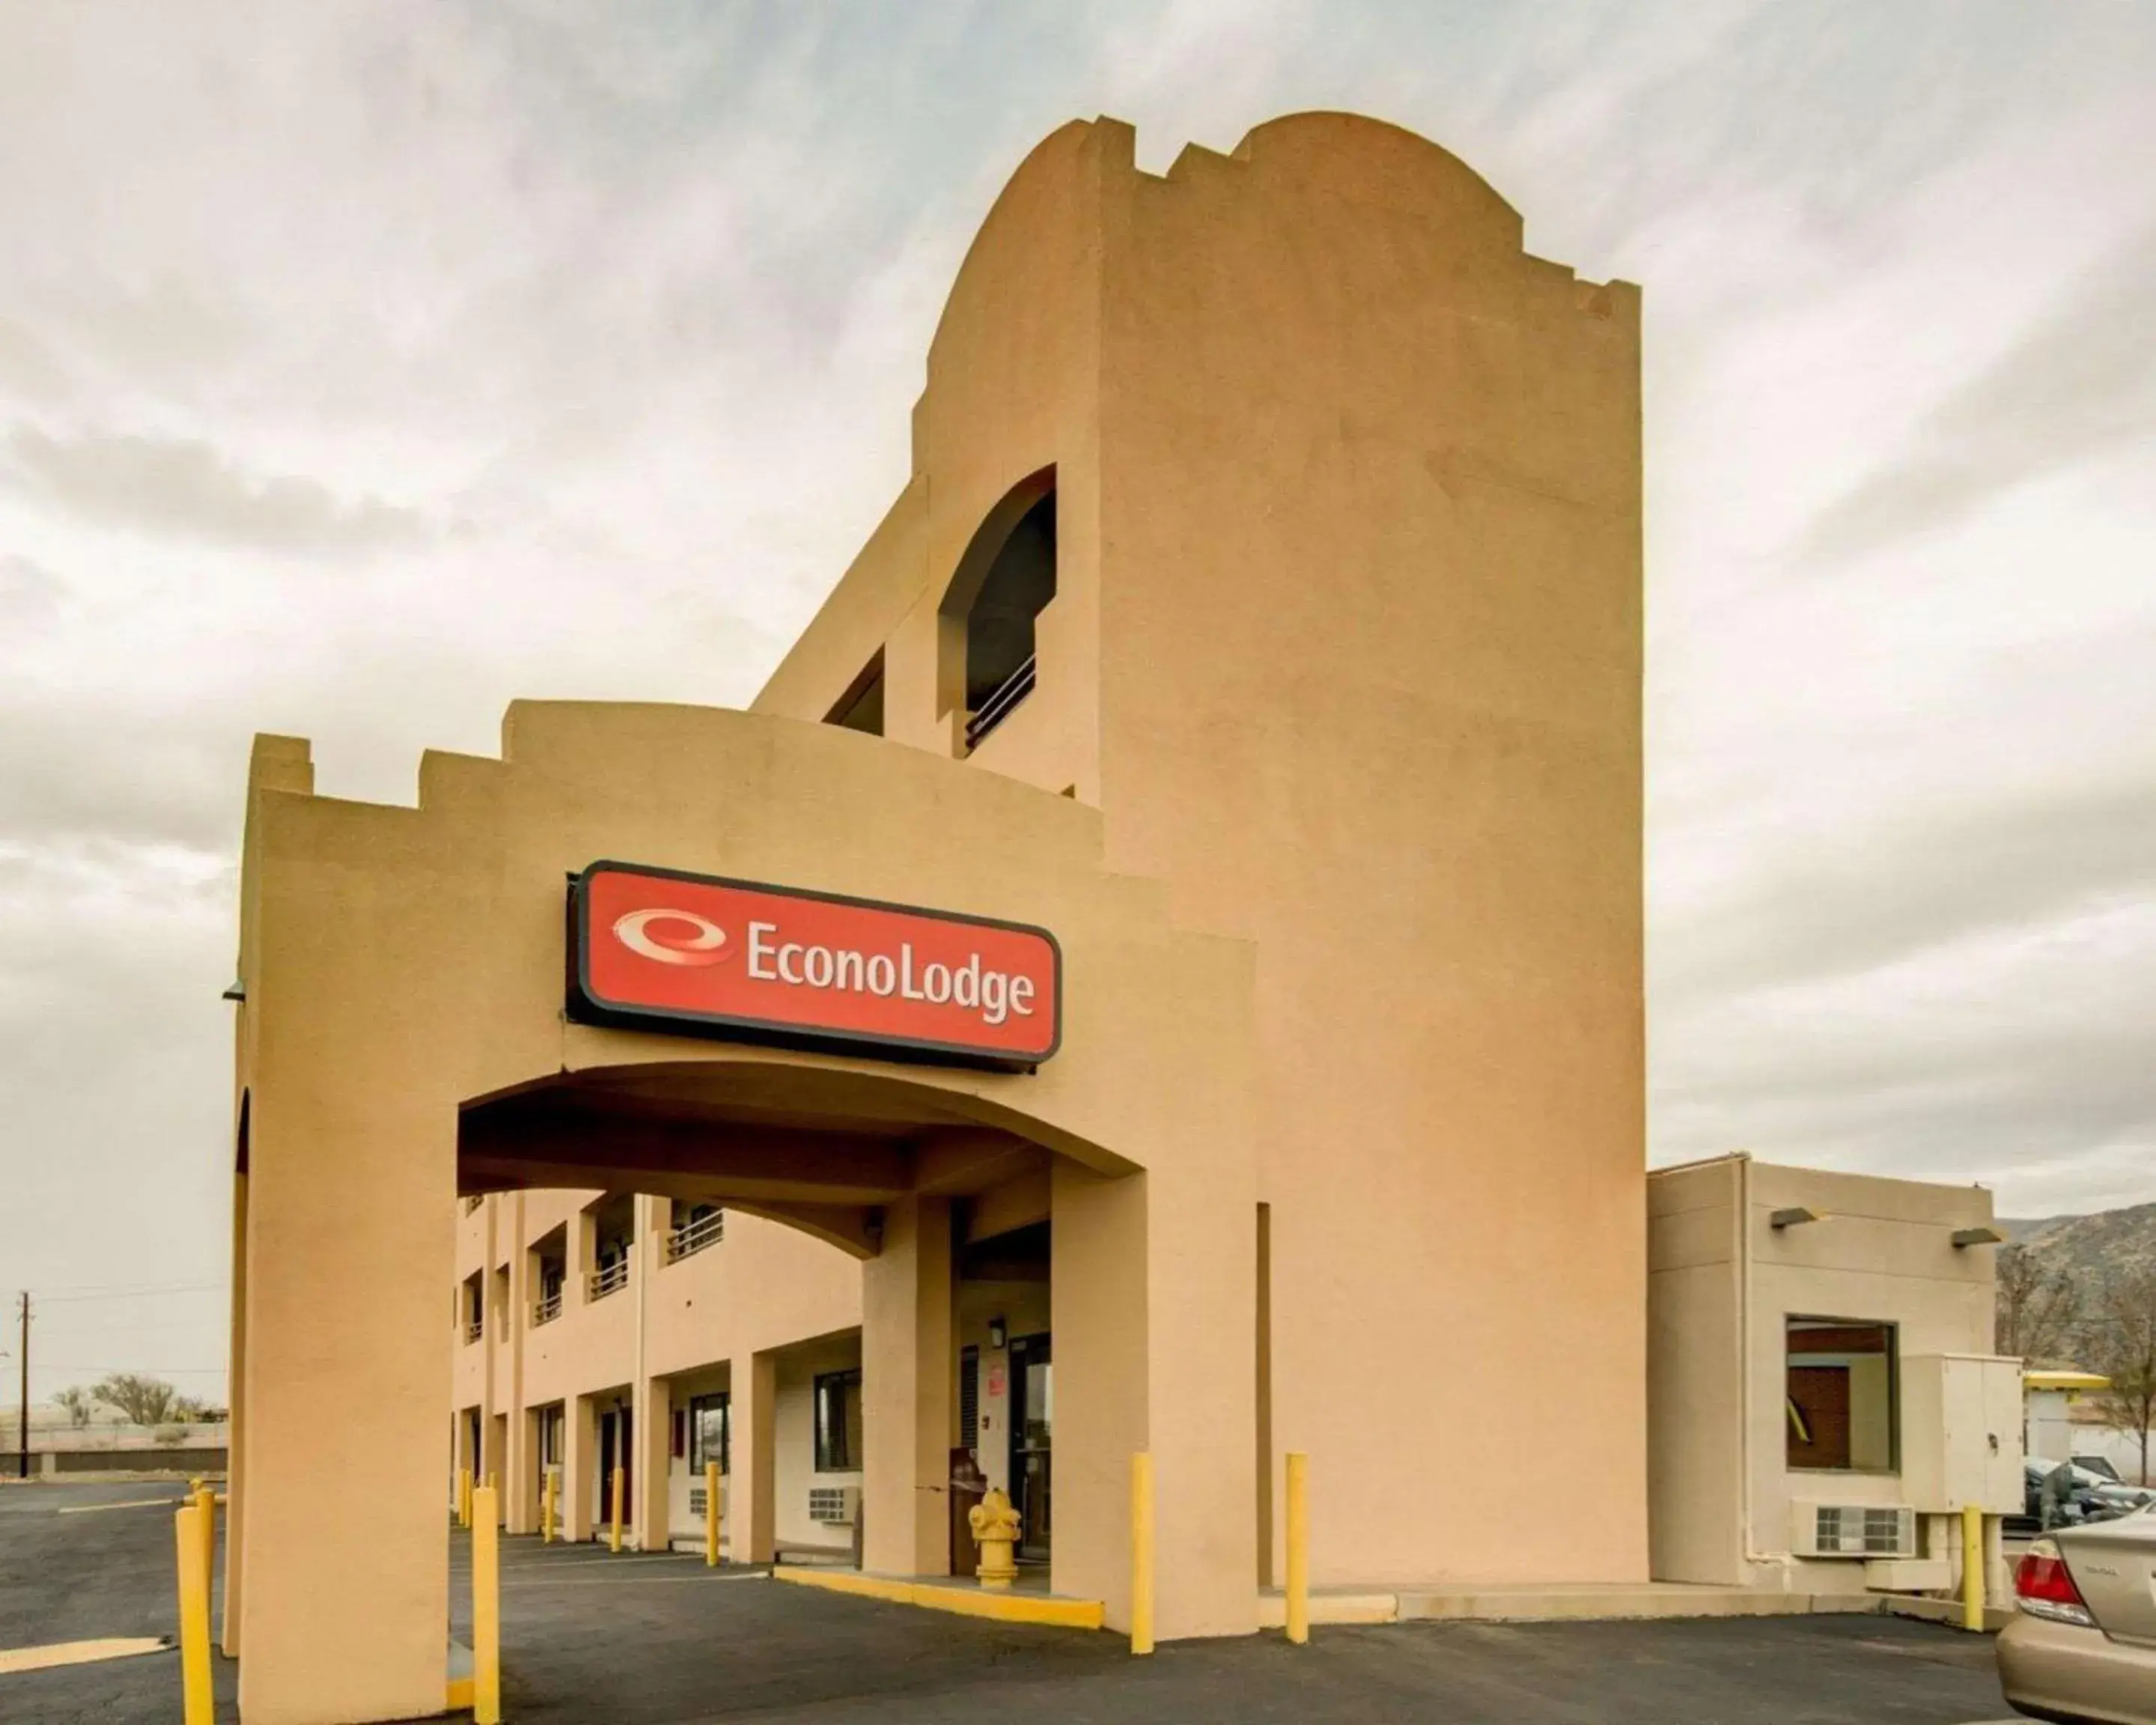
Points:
(137, 1293)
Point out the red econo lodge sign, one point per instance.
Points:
(655, 949)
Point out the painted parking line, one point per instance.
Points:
(634, 1581)
(91, 1509)
(38, 1659)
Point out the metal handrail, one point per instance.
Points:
(599, 1283)
(1006, 695)
(693, 1237)
(545, 1311)
(474, 1330)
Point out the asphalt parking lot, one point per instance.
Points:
(600, 1640)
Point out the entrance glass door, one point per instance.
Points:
(1032, 1428)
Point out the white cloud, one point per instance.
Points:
(363, 366)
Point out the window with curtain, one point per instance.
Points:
(711, 1436)
(838, 1421)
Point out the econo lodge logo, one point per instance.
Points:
(706, 944)
(714, 956)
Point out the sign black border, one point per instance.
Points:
(587, 1007)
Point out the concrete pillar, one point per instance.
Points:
(1153, 1351)
(521, 1487)
(520, 1478)
(908, 1412)
(751, 1510)
(653, 1437)
(1201, 1391)
(489, 1458)
(235, 1461)
(580, 1444)
(498, 1430)
(350, 1195)
(1097, 1301)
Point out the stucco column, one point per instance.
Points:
(520, 1477)
(1201, 1399)
(907, 1411)
(653, 1430)
(751, 1509)
(647, 1507)
(350, 1199)
(580, 1441)
(522, 1485)
(235, 1463)
(1154, 1284)
(1097, 1293)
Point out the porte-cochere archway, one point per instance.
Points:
(402, 1037)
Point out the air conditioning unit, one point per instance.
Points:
(1853, 1530)
(839, 1506)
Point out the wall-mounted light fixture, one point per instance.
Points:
(1978, 1236)
(996, 1332)
(1796, 1216)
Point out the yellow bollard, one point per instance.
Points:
(1298, 1546)
(1141, 1563)
(710, 1515)
(205, 1500)
(620, 1490)
(1972, 1567)
(486, 1609)
(464, 1496)
(192, 1533)
(547, 1507)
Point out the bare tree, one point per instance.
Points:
(144, 1400)
(2121, 1345)
(78, 1402)
(2038, 1304)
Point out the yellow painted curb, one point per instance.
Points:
(462, 1692)
(38, 1658)
(960, 1601)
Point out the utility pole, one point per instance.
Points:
(24, 1413)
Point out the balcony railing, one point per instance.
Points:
(612, 1280)
(693, 1237)
(998, 706)
(545, 1311)
(473, 1329)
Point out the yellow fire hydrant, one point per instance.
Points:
(994, 1523)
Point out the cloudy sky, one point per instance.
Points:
(363, 366)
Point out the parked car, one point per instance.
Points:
(2098, 1464)
(2082, 1643)
(2095, 1497)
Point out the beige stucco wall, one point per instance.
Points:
(1885, 1256)
(795, 1423)
(1345, 646)
(1724, 1282)
(1695, 1373)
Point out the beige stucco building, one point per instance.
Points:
(1823, 1398)
(1262, 622)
